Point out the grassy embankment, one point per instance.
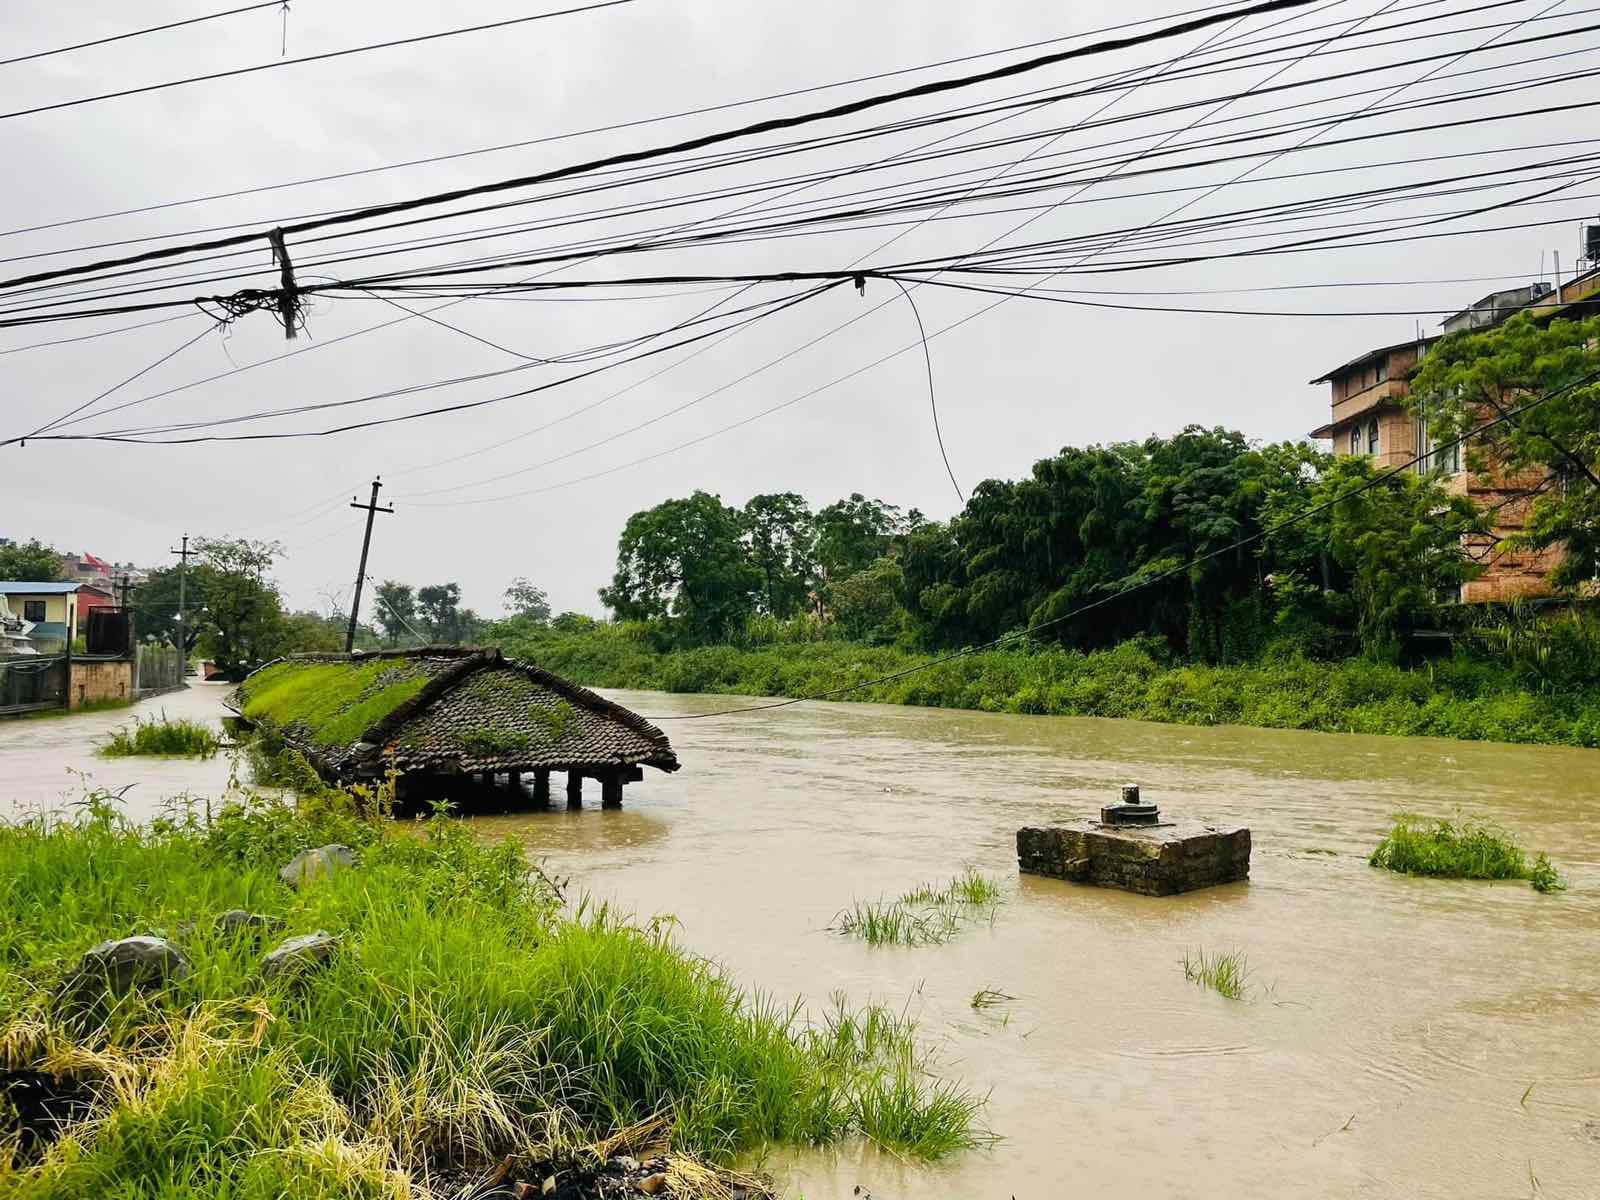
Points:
(468, 1013)
(1459, 698)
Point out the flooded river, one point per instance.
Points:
(1407, 1038)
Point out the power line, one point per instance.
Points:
(1182, 569)
(770, 125)
(557, 137)
(1323, 123)
(309, 58)
(118, 37)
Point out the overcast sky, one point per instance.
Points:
(1013, 385)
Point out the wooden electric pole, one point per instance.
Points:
(371, 507)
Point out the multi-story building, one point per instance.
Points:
(1370, 416)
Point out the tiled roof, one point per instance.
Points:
(516, 716)
(476, 711)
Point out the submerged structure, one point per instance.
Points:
(1132, 848)
(451, 722)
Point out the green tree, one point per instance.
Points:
(241, 621)
(684, 563)
(526, 601)
(439, 608)
(396, 610)
(30, 562)
(782, 537)
(1548, 456)
(866, 606)
(1400, 545)
(155, 606)
(854, 533)
(310, 633)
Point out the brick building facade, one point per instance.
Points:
(1369, 415)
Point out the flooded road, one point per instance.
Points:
(1407, 1038)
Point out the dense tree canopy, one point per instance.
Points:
(31, 561)
(782, 536)
(1184, 538)
(685, 563)
(1550, 453)
(396, 611)
(526, 601)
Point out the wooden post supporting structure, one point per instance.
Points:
(541, 789)
(611, 790)
(574, 789)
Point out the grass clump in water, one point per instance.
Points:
(1225, 974)
(470, 1013)
(182, 738)
(1465, 849)
(929, 914)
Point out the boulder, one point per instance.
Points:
(297, 954)
(311, 865)
(132, 962)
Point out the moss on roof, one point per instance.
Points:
(332, 703)
(450, 709)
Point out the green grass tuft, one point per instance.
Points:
(183, 738)
(1225, 974)
(1464, 849)
(1544, 877)
(927, 915)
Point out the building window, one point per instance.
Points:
(1355, 440)
(1372, 436)
(1383, 369)
(33, 610)
(1448, 458)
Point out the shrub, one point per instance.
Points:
(1464, 849)
(181, 738)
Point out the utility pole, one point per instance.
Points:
(183, 575)
(370, 507)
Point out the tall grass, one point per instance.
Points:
(1227, 974)
(928, 914)
(1466, 697)
(185, 738)
(1464, 849)
(470, 1013)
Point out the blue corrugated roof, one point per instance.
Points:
(14, 587)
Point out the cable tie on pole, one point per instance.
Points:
(860, 280)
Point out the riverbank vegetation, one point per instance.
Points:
(468, 1012)
(1462, 849)
(1198, 578)
(1461, 696)
(181, 738)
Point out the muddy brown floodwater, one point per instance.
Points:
(1406, 1038)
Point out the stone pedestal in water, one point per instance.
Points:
(1133, 849)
